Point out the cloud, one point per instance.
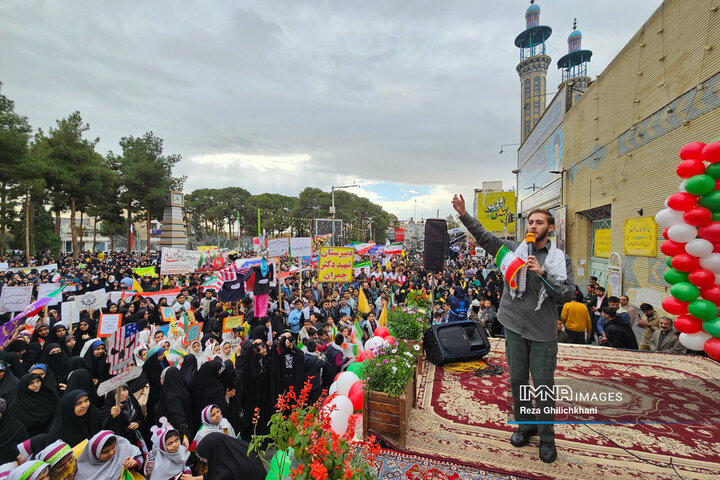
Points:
(261, 163)
(413, 191)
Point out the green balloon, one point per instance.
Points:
(279, 466)
(700, 184)
(711, 201)
(673, 276)
(715, 140)
(685, 291)
(669, 262)
(703, 309)
(713, 170)
(716, 217)
(356, 368)
(712, 327)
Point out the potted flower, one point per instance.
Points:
(407, 323)
(307, 447)
(389, 392)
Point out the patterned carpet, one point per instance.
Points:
(397, 466)
(463, 418)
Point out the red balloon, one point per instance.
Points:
(690, 168)
(711, 152)
(711, 293)
(717, 184)
(685, 262)
(692, 150)
(336, 377)
(665, 235)
(698, 216)
(390, 339)
(712, 348)
(329, 398)
(688, 324)
(682, 201)
(716, 247)
(674, 306)
(710, 232)
(702, 278)
(364, 355)
(672, 248)
(381, 332)
(356, 395)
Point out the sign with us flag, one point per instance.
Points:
(121, 345)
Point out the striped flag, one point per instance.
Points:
(509, 265)
(132, 237)
(227, 274)
(121, 345)
(56, 277)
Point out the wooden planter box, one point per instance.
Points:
(388, 415)
(420, 358)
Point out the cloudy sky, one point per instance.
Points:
(409, 99)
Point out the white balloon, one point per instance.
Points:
(711, 262)
(668, 217)
(339, 422)
(681, 187)
(345, 381)
(699, 247)
(332, 389)
(682, 232)
(342, 404)
(694, 341)
(374, 342)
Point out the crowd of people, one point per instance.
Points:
(196, 403)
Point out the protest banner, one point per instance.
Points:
(168, 314)
(230, 322)
(120, 347)
(45, 289)
(336, 264)
(193, 332)
(278, 247)
(118, 381)
(109, 322)
(69, 313)
(39, 268)
(92, 301)
(15, 299)
(145, 272)
(174, 261)
(301, 246)
(207, 248)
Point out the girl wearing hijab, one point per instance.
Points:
(155, 363)
(139, 389)
(105, 456)
(189, 368)
(96, 360)
(57, 332)
(80, 379)
(62, 461)
(8, 383)
(140, 354)
(58, 361)
(41, 334)
(227, 458)
(32, 445)
(207, 388)
(167, 458)
(32, 470)
(68, 344)
(12, 432)
(76, 419)
(125, 420)
(174, 402)
(196, 351)
(226, 350)
(83, 332)
(48, 377)
(34, 405)
(213, 421)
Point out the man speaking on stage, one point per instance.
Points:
(528, 311)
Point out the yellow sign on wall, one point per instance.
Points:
(641, 237)
(336, 264)
(207, 248)
(495, 210)
(602, 243)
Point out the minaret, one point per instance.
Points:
(532, 68)
(574, 64)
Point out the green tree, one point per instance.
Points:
(14, 136)
(146, 177)
(75, 169)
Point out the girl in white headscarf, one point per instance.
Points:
(213, 421)
(139, 355)
(196, 351)
(105, 456)
(32, 470)
(167, 458)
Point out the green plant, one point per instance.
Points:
(406, 323)
(392, 367)
(301, 434)
(418, 299)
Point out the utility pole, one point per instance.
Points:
(332, 207)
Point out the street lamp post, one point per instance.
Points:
(332, 208)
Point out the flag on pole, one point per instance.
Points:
(238, 230)
(509, 264)
(136, 285)
(382, 321)
(121, 345)
(132, 237)
(56, 277)
(363, 304)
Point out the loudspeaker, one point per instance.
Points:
(455, 342)
(437, 244)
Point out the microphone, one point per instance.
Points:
(530, 240)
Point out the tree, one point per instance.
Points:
(74, 169)
(107, 208)
(146, 177)
(14, 136)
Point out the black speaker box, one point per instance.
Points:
(455, 342)
(437, 244)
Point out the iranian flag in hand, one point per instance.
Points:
(509, 264)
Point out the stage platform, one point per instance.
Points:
(462, 418)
